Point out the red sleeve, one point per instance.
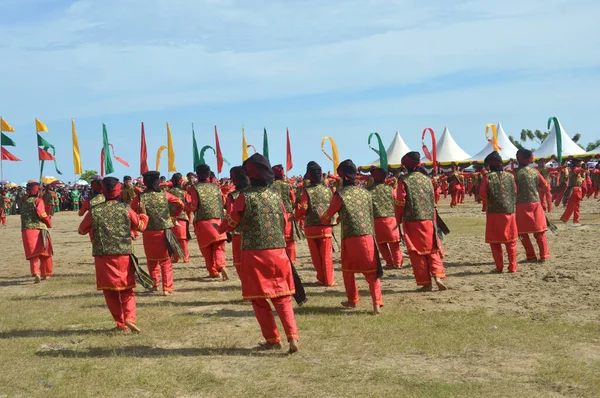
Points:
(483, 192)
(139, 222)
(292, 194)
(174, 199)
(229, 204)
(193, 205)
(40, 209)
(86, 224)
(542, 183)
(334, 206)
(233, 218)
(302, 206)
(84, 207)
(400, 202)
(135, 203)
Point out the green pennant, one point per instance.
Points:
(265, 144)
(108, 164)
(7, 141)
(47, 146)
(383, 160)
(198, 160)
(204, 149)
(558, 132)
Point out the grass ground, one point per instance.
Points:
(532, 334)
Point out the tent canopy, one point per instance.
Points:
(548, 147)
(507, 149)
(395, 152)
(448, 150)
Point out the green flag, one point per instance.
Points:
(558, 132)
(47, 146)
(383, 160)
(265, 145)
(7, 141)
(197, 158)
(108, 164)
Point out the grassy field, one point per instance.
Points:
(532, 334)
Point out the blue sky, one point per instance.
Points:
(342, 68)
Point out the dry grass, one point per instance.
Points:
(533, 334)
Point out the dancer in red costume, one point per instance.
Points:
(241, 182)
(180, 229)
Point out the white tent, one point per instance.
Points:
(548, 147)
(395, 151)
(507, 149)
(594, 151)
(448, 150)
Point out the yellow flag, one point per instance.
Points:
(40, 126)
(76, 155)
(171, 151)
(158, 154)
(4, 126)
(244, 145)
(335, 157)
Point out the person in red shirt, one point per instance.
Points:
(110, 225)
(180, 229)
(289, 198)
(34, 232)
(576, 187)
(241, 182)
(499, 192)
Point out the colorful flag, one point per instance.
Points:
(204, 149)
(171, 151)
(45, 155)
(40, 126)
(265, 144)
(219, 153)
(288, 159)
(107, 164)
(76, 155)
(334, 157)
(9, 156)
(244, 145)
(197, 158)
(143, 153)
(158, 156)
(7, 141)
(4, 126)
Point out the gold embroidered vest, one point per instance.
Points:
(210, 202)
(383, 200)
(262, 224)
(29, 216)
(111, 229)
(319, 197)
(157, 208)
(357, 212)
(527, 185)
(420, 202)
(283, 188)
(501, 193)
(180, 194)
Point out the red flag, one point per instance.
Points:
(218, 150)
(288, 160)
(143, 153)
(9, 156)
(44, 155)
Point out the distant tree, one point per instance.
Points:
(592, 145)
(87, 175)
(536, 137)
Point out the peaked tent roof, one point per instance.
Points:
(594, 151)
(448, 150)
(548, 147)
(507, 149)
(395, 151)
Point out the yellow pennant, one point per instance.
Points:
(40, 126)
(76, 155)
(171, 151)
(158, 154)
(244, 145)
(494, 140)
(4, 126)
(335, 157)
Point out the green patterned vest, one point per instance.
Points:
(420, 202)
(527, 185)
(283, 188)
(383, 200)
(96, 200)
(501, 193)
(357, 212)
(29, 217)
(210, 202)
(262, 222)
(111, 229)
(48, 198)
(157, 208)
(319, 197)
(180, 193)
(234, 195)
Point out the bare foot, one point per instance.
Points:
(37, 279)
(133, 327)
(117, 330)
(426, 288)
(224, 275)
(165, 293)
(376, 309)
(440, 284)
(269, 346)
(496, 271)
(293, 346)
(348, 304)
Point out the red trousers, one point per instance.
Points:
(214, 257)
(455, 191)
(290, 249)
(391, 254)
(546, 200)
(573, 206)
(320, 253)
(45, 270)
(162, 268)
(559, 196)
(236, 248)
(542, 243)
(461, 195)
(352, 289)
(266, 318)
(511, 250)
(426, 266)
(121, 304)
(3, 218)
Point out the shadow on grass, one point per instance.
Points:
(49, 333)
(187, 303)
(20, 281)
(466, 264)
(219, 287)
(226, 313)
(331, 310)
(67, 297)
(154, 352)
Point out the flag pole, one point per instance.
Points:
(39, 161)
(1, 158)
